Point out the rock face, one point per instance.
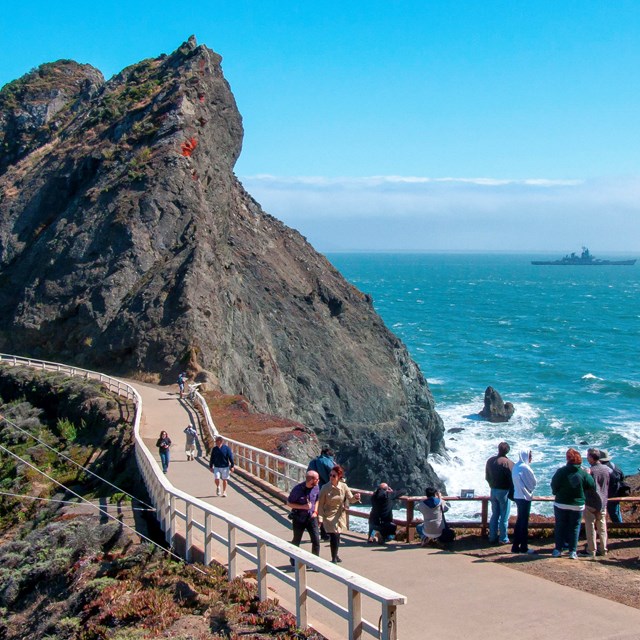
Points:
(495, 410)
(128, 244)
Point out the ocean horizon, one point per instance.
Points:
(560, 343)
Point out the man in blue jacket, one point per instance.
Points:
(221, 464)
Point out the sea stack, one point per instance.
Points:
(127, 244)
(495, 410)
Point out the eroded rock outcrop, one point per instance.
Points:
(128, 244)
(495, 410)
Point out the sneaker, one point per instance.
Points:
(602, 554)
(532, 552)
(224, 495)
(218, 491)
(587, 554)
(556, 553)
(505, 541)
(573, 555)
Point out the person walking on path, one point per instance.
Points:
(381, 522)
(498, 475)
(322, 465)
(190, 443)
(432, 510)
(335, 498)
(595, 509)
(182, 380)
(617, 477)
(303, 502)
(524, 483)
(569, 485)
(221, 464)
(164, 443)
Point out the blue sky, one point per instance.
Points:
(402, 125)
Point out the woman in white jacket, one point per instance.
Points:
(524, 482)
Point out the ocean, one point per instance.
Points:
(560, 343)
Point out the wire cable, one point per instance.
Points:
(21, 495)
(102, 511)
(68, 459)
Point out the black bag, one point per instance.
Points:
(448, 534)
(624, 490)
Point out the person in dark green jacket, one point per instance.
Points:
(569, 484)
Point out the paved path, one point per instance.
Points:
(449, 595)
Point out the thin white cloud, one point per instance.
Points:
(446, 213)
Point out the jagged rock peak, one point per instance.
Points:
(128, 244)
(37, 105)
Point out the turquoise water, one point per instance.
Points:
(561, 343)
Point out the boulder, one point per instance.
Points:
(495, 410)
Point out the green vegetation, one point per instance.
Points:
(69, 575)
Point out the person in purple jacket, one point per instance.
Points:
(303, 502)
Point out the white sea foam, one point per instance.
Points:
(463, 464)
(590, 376)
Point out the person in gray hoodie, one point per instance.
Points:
(524, 483)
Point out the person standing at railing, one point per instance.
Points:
(303, 502)
(498, 475)
(335, 498)
(164, 443)
(190, 443)
(595, 507)
(524, 483)
(615, 487)
(221, 464)
(569, 484)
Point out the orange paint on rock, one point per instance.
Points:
(188, 147)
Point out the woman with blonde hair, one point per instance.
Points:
(333, 502)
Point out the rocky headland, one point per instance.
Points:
(127, 244)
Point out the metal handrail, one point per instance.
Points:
(165, 498)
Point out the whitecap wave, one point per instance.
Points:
(590, 376)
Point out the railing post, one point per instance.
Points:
(302, 595)
(485, 518)
(188, 538)
(208, 539)
(355, 614)
(389, 628)
(170, 520)
(232, 552)
(410, 513)
(261, 574)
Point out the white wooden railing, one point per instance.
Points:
(176, 508)
(276, 470)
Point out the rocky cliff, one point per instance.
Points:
(128, 244)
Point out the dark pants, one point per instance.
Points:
(385, 529)
(164, 458)
(334, 544)
(521, 530)
(613, 509)
(310, 525)
(567, 528)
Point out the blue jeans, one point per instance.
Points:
(500, 508)
(521, 530)
(613, 509)
(164, 458)
(567, 529)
